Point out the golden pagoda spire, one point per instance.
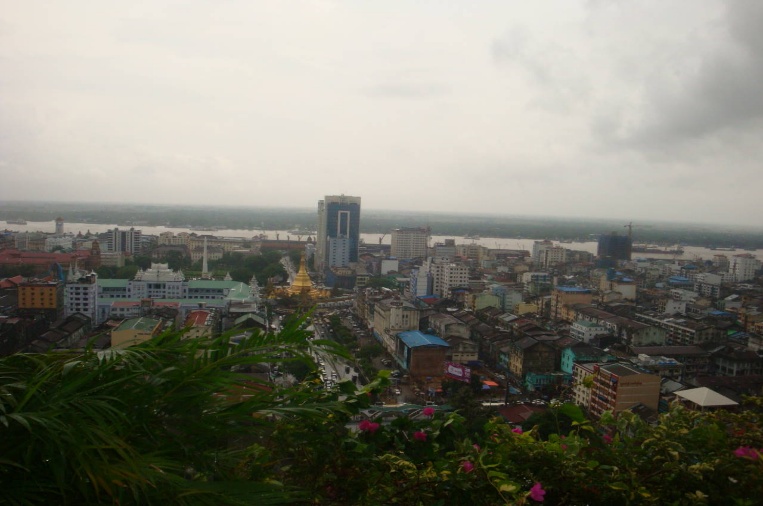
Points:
(301, 281)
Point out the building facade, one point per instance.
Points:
(392, 316)
(338, 232)
(614, 247)
(410, 243)
(446, 276)
(744, 267)
(617, 387)
(81, 295)
(42, 297)
(125, 241)
(562, 297)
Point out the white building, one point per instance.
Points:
(546, 255)
(126, 241)
(65, 242)
(446, 276)
(421, 282)
(539, 252)
(389, 265)
(744, 267)
(158, 282)
(583, 330)
(708, 284)
(156, 287)
(170, 239)
(338, 251)
(59, 226)
(410, 243)
(81, 294)
(445, 249)
(721, 262)
(392, 316)
(532, 282)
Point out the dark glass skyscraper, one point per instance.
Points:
(615, 247)
(338, 231)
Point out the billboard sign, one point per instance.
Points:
(458, 372)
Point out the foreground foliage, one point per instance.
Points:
(172, 422)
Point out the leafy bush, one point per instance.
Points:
(171, 422)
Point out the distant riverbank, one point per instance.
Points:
(689, 252)
(250, 221)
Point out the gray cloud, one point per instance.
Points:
(574, 107)
(720, 92)
(554, 68)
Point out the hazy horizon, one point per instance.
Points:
(121, 207)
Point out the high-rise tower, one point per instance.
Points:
(59, 226)
(338, 232)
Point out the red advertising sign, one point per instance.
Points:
(458, 372)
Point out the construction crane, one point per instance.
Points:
(382, 237)
(629, 226)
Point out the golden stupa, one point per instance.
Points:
(301, 283)
(302, 286)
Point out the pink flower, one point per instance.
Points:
(607, 438)
(428, 411)
(476, 447)
(420, 436)
(564, 447)
(537, 493)
(368, 426)
(746, 452)
(517, 430)
(467, 466)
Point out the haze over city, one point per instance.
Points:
(625, 110)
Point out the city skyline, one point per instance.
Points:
(644, 111)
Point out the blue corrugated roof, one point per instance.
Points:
(416, 338)
(573, 289)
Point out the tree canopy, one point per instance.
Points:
(176, 421)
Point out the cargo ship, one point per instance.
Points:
(656, 250)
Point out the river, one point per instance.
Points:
(690, 252)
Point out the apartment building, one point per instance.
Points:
(410, 243)
(392, 316)
(41, 297)
(563, 297)
(447, 276)
(126, 241)
(81, 294)
(618, 387)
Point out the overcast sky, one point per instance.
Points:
(640, 110)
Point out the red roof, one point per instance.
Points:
(197, 318)
(165, 304)
(11, 282)
(125, 303)
(16, 257)
(519, 413)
